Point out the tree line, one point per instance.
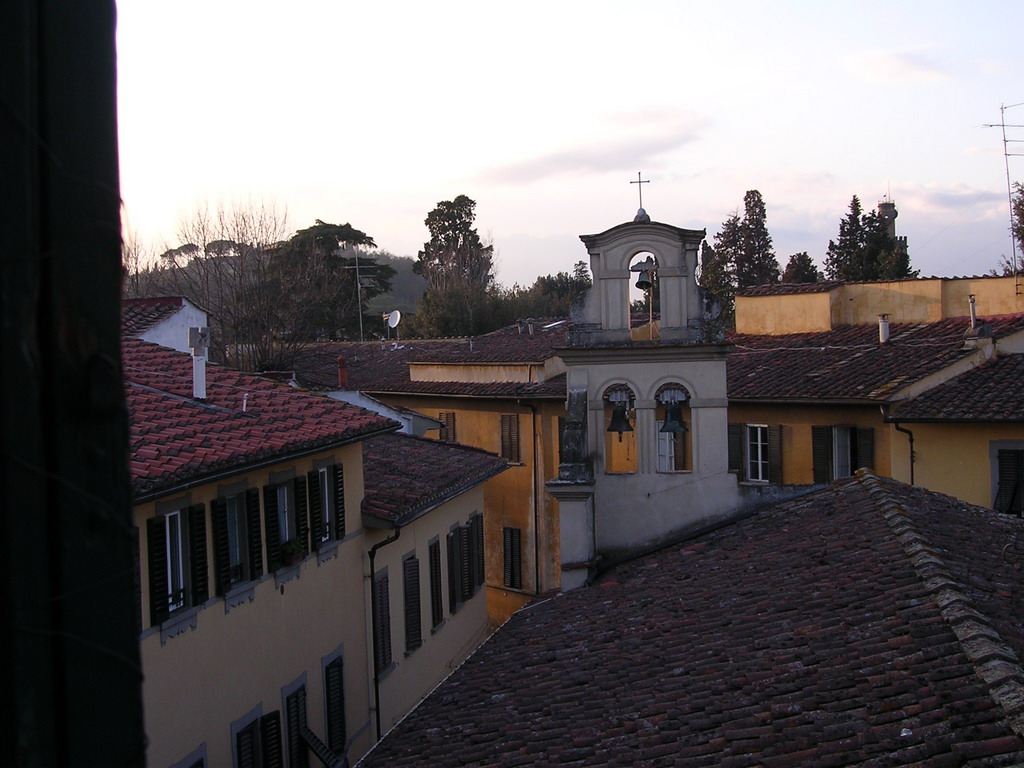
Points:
(268, 295)
(743, 254)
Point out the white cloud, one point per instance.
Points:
(903, 67)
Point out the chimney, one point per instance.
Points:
(974, 311)
(199, 343)
(342, 372)
(883, 329)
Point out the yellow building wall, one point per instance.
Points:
(957, 459)
(200, 681)
(777, 315)
(796, 422)
(511, 498)
(475, 373)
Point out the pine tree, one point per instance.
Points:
(716, 280)
(801, 269)
(755, 262)
(865, 250)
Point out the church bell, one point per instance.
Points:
(674, 419)
(643, 281)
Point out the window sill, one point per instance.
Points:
(438, 627)
(240, 594)
(182, 621)
(287, 573)
(328, 551)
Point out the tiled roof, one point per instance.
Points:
(848, 363)
(139, 315)
(785, 289)
(245, 421)
(407, 475)
(848, 627)
(551, 388)
(991, 392)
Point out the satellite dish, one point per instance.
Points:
(394, 317)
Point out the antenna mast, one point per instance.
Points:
(1007, 154)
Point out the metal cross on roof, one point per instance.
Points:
(639, 188)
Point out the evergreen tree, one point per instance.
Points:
(755, 262)
(865, 250)
(801, 269)
(716, 277)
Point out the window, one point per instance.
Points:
(671, 450)
(295, 721)
(1010, 490)
(510, 437)
(237, 540)
(327, 504)
(436, 600)
(258, 742)
(755, 452)
(284, 512)
(411, 588)
(839, 451)
(513, 566)
(382, 620)
(334, 705)
(178, 576)
(476, 551)
(447, 431)
(458, 569)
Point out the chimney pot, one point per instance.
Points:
(883, 329)
(342, 372)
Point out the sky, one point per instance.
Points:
(544, 112)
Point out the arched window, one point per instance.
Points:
(644, 296)
(620, 450)
(674, 421)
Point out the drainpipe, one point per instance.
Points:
(905, 431)
(373, 624)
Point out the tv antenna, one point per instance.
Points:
(1007, 154)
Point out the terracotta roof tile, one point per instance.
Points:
(785, 289)
(407, 475)
(850, 626)
(139, 315)
(991, 392)
(848, 363)
(245, 419)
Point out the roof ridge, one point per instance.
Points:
(994, 661)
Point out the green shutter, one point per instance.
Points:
(198, 567)
(436, 598)
(221, 553)
(775, 454)
(295, 718)
(255, 542)
(1010, 494)
(301, 511)
(270, 740)
(316, 517)
(465, 571)
(271, 526)
(334, 695)
(453, 573)
(865, 443)
(156, 545)
(411, 583)
(338, 476)
(736, 449)
(513, 566)
(382, 620)
(821, 453)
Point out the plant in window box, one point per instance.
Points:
(291, 552)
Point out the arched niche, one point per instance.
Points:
(620, 442)
(674, 424)
(644, 296)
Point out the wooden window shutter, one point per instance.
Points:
(775, 454)
(510, 437)
(316, 517)
(447, 432)
(1009, 495)
(736, 449)
(821, 453)
(295, 719)
(413, 624)
(453, 573)
(198, 566)
(436, 599)
(221, 553)
(466, 582)
(156, 546)
(477, 529)
(679, 451)
(865, 437)
(382, 620)
(247, 746)
(255, 538)
(271, 527)
(338, 476)
(301, 512)
(270, 740)
(334, 693)
(513, 565)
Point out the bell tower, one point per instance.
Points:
(645, 446)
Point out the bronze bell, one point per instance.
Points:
(620, 422)
(643, 281)
(674, 419)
